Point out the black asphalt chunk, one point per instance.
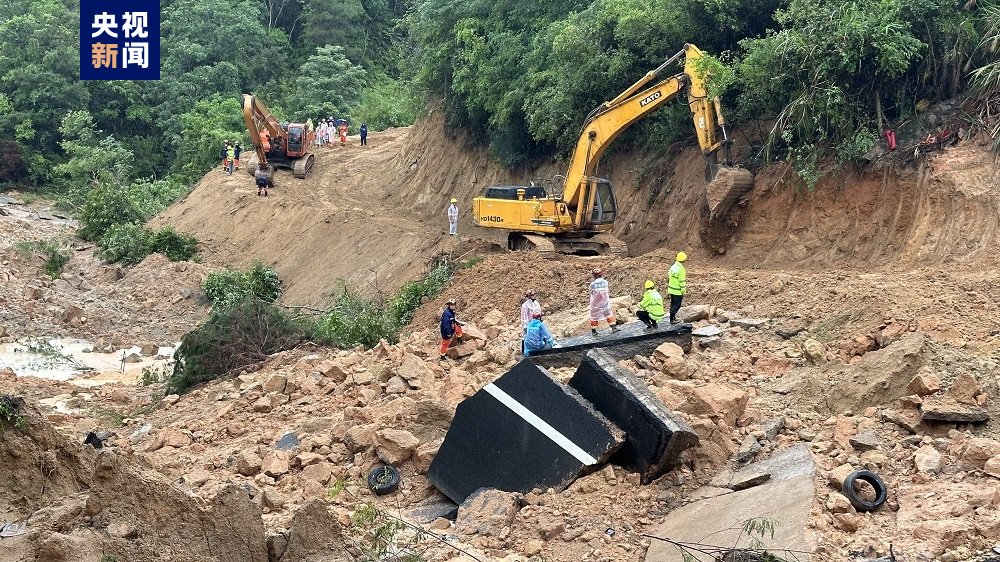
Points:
(655, 436)
(630, 340)
(527, 430)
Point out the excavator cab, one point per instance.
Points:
(295, 135)
(605, 206)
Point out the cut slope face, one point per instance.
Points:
(332, 227)
(371, 217)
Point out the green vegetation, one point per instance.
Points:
(10, 412)
(232, 338)
(149, 141)
(233, 287)
(245, 326)
(830, 76)
(55, 254)
(129, 244)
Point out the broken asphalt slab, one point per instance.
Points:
(787, 497)
(524, 431)
(630, 340)
(655, 437)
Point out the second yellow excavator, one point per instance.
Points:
(579, 221)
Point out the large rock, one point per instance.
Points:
(275, 464)
(978, 450)
(927, 459)
(964, 389)
(879, 377)
(695, 312)
(814, 351)
(787, 497)
(395, 446)
(248, 463)
(944, 408)
(492, 319)
(169, 437)
(487, 512)
(655, 437)
(671, 356)
(359, 438)
(316, 535)
(415, 372)
(924, 383)
(275, 383)
(717, 401)
(992, 466)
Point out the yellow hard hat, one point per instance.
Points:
(649, 284)
(681, 256)
(453, 200)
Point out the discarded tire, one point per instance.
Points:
(383, 479)
(857, 501)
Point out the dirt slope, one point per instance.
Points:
(336, 226)
(372, 216)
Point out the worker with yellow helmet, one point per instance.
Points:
(651, 306)
(453, 218)
(676, 285)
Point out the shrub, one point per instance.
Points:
(232, 339)
(53, 252)
(175, 245)
(232, 287)
(128, 244)
(10, 411)
(354, 320)
(106, 206)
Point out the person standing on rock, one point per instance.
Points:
(651, 306)
(529, 307)
(451, 328)
(364, 134)
(677, 285)
(600, 302)
(537, 337)
(453, 218)
(230, 157)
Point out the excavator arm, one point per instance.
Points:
(610, 119)
(581, 218)
(259, 119)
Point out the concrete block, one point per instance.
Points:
(524, 431)
(654, 435)
(631, 339)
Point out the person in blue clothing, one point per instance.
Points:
(451, 328)
(538, 336)
(364, 134)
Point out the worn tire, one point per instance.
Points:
(383, 479)
(859, 503)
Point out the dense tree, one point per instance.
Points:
(327, 84)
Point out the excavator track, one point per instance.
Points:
(521, 242)
(302, 166)
(730, 184)
(615, 246)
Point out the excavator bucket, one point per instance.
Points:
(730, 184)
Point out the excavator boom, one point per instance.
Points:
(587, 207)
(276, 144)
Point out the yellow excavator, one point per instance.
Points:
(579, 220)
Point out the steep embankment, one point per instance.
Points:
(372, 216)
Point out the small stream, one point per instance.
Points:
(74, 360)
